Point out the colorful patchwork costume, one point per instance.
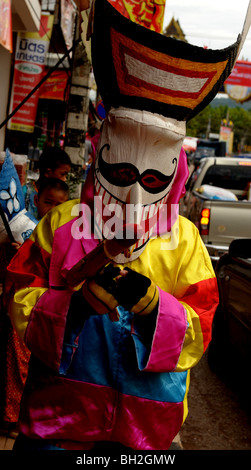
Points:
(93, 379)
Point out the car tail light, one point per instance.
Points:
(204, 221)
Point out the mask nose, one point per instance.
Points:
(134, 195)
(134, 204)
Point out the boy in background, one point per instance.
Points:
(51, 193)
(53, 163)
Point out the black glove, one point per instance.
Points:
(133, 291)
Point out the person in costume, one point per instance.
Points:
(115, 324)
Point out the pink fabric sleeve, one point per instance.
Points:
(45, 332)
(159, 338)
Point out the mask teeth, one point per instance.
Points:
(147, 213)
(97, 187)
(107, 199)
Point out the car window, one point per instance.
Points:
(235, 177)
(205, 151)
(194, 176)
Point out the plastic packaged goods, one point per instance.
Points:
(20, 162)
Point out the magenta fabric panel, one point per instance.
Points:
(45, 332)
(169, 335)
(61, 245)
(66, 409)
(135, 426)
(96, 412)
(77, 248)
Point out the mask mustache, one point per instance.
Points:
(126, 174)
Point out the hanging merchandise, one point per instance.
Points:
(67, 22)
(6, 24)
(18, 223)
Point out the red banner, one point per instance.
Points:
(149, 13)
(54, 87)
(241, 74)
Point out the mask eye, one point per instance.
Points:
(119, 174)
(151, 181)
(123, 175)
(154, 182)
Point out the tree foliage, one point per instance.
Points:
(210, 119)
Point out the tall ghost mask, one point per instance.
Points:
(151, 85)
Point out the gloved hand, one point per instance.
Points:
(136, 292)
(113, 286)
(99, 298)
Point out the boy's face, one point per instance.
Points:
(60, 172)
(50, 198)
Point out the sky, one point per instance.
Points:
(212, 23)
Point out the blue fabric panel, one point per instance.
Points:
(106, 355)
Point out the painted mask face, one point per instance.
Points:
(135, 167)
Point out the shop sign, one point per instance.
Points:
(29, 67)
(227, 135)
(238, 84)
(241, 74)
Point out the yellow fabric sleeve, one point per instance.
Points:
(21, 306)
